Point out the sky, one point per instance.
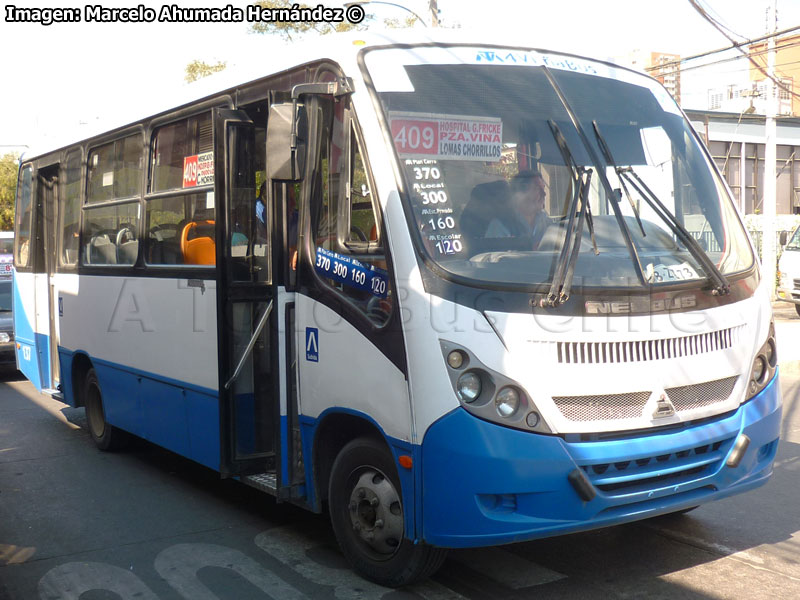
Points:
(60, 78)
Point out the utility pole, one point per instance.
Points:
(432, 4)
(768, 251)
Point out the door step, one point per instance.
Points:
(266, 482)
(54, 393)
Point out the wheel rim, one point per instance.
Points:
(376, 513)
(97, 422)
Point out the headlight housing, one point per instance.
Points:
(764, 365)
(488, 394)
(468, 387)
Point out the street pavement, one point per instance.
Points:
(145, 524)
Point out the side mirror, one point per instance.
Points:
(287, 132)
(784, 237)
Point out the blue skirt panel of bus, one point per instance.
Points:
(484, 484)
(31, 345)
(173, 414)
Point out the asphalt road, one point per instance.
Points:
(145, 524)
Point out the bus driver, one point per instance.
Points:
(528, 193)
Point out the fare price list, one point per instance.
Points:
(352, 273)
(432, 206)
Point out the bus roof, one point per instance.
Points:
(267, 57)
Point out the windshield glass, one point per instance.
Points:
(794, 242)
(490, 187)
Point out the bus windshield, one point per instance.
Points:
(794, 242)
(504, 152)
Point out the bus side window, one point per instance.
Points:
(110, 235)
(348, 252)
(70, 214)
(180, 227)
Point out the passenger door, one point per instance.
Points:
(246, 312)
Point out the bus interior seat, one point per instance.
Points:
(101, 250)
(487, 201)
(128, 252)
(200, 248)
(127, 245)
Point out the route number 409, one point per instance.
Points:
(415, 138)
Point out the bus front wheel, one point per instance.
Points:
(105, 436)
(366, 511)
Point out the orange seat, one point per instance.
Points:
(200, 249)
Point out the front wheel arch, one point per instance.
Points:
(368, 516)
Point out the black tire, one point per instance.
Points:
(367, 516)
(106, 437)
(797, 308)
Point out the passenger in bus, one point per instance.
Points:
(292, 217)
(528, 194)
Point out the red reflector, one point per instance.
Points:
(405, 461)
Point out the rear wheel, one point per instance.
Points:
(105, 436)
(367, 515)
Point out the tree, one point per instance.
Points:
(288, 28)
(8, 188)
(197, 69)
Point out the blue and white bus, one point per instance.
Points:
(323, 279)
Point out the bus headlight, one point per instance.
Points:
(759, 368)
(506, 402)
(489, 394)
(456, 359)
(764, 365)
(469, 387)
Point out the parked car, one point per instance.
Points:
(7, 354)
(6, 253)
(789, 269)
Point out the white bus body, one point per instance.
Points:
(440, 387)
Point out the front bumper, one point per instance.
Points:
(788, 295)
(484, 484)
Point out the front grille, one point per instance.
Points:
(672, 468)
(644, 350)
(609, 407)
(688, 397)
(796, 283)
(602, 408)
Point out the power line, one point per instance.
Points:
(718, 19)
(733, 59)
(725, 49)
(716, 26)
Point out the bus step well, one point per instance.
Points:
(54, 393)
(266, 482)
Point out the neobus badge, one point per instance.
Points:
(639, 305)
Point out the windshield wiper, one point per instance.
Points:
(623, 227)
(565, 268)
(610, 160)
(713, 274)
